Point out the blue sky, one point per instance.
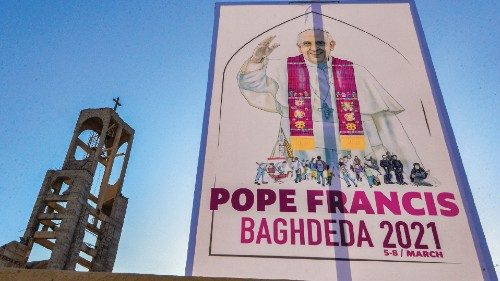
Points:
(59, 57)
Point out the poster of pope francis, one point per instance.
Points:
(325, 152)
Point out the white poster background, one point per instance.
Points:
(239, 135)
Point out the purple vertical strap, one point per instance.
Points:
(299, 96)
(298, 76)
(346, 91)
(343, 76)
(343, 267)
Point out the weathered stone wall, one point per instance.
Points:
(107, 243)
(50, 275)
(12, 255)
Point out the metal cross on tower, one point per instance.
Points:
(117, 103)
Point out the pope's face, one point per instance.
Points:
(315, 47)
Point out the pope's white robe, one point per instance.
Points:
(265, 86)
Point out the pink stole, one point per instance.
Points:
(300, 105)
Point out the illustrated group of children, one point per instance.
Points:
(351, 170)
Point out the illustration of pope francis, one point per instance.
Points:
(329, 107)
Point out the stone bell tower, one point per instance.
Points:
(82, 199)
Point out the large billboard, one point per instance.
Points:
(327, 153)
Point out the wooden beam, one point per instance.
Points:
(93, 198)
(45, 235)
(52, 216)
(83, 262)
(89, 251)
(56, 198)
(45, 243)
(85, 147)
(99, 215)
(93, 228)
(89, 150)
(50, 224)
(57, 207)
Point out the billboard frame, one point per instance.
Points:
(474, 222)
